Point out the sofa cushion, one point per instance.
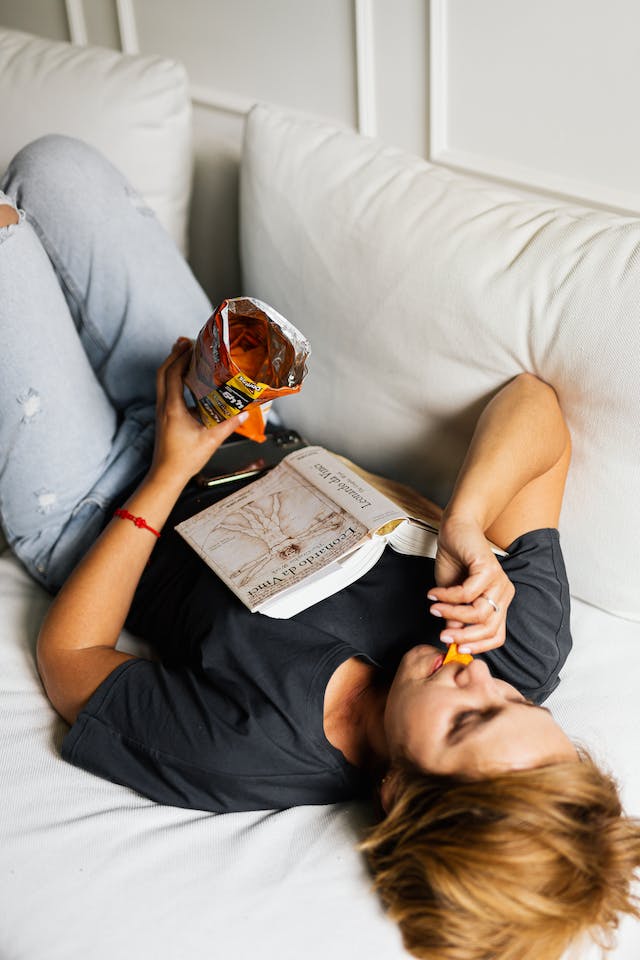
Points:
(422, 292)
(136, 109)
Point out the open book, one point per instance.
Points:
(307, 529)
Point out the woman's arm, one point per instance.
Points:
(511, 481)
(76, 645)
(519, 436)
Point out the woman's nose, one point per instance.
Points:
(475, 673)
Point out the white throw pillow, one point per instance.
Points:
(136, 109)
(422, 292)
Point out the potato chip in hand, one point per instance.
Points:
(454, 657)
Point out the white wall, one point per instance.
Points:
(362, 62)
(539, 94)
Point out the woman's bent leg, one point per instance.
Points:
(129, 290)
(63, 454)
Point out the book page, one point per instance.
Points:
(332, 476)
(415, 505)
(272, 534)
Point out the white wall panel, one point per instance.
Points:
(400, 66)
(365, 65)
(295, 53)
(102, 24)
(541, 93)
(47, 18)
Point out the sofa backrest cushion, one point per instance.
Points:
(136, 109)
(422, 292)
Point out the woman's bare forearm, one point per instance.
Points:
(76, 645)
(92, 607)
(520, 435)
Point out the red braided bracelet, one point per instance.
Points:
(139, 521)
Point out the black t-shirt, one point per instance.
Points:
(231, 716)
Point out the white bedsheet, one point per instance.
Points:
(90, 869)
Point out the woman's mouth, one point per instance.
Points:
(436, 666)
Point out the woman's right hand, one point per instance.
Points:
(467, 573)
(182, 444)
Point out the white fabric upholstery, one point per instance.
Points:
(423, 291)
(135, 109)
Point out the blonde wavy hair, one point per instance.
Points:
(515, 867)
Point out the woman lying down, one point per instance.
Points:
(498, 838)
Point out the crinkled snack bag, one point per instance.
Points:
(246, 351)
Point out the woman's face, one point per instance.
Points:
(457, 719)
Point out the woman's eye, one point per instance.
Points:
(462, 718)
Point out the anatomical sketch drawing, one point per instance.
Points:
(278, 528)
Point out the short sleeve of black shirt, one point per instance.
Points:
(538, 619)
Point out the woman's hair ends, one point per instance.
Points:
(515, 867)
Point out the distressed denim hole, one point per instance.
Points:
(6, 232)
(46, 500)
(31, 404)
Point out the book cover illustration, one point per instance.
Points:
(273, 534)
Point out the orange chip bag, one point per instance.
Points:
(246, 351)
(454, 657)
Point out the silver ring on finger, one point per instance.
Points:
(495, 606)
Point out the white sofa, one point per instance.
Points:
(422, 292)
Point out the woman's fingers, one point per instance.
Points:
(475, 626)
(467, 631)
(175, 366)
(218, 433)
(476, 637)
(472, 592)
(472, 588)
(481, 646)
(179, 350)
(479, 592)
(477, 612)
(182, 443)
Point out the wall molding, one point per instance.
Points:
(502, 170)
(532, 180)
(365, 68)
(76, 22)
(437, 78)
(201, 95)
(128, 27)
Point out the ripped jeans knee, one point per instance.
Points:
(10, 217)
(31, 404)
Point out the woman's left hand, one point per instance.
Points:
(182, 445)
(467, 574)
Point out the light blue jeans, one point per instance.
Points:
(93, 293)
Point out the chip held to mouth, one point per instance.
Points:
(454, 657)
